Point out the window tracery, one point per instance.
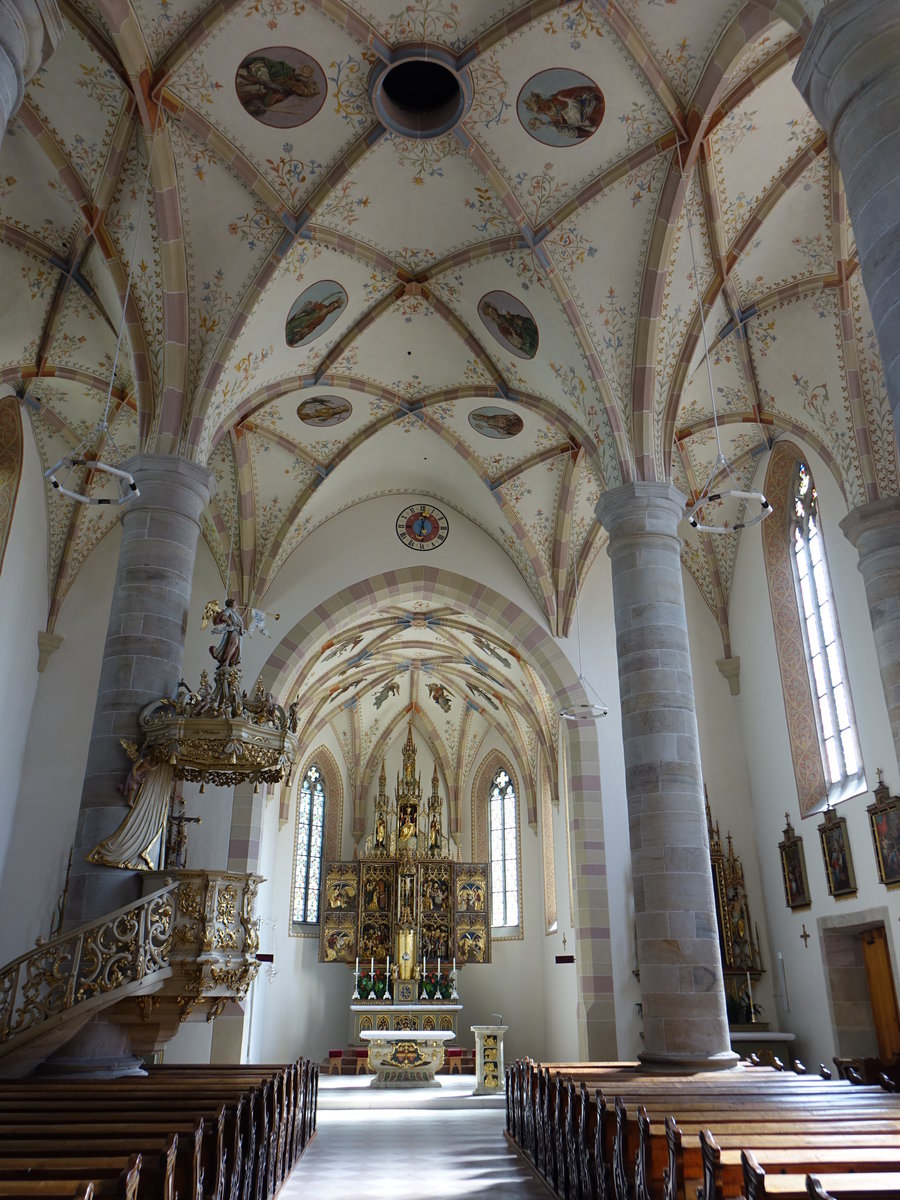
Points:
(838, 742)
(311, 799)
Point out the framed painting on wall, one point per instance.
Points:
(884, 821)
(836, 853)
(793, 868)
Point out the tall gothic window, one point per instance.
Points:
(308, 850)
(504, 841)
(838, 742)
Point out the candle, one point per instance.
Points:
(439, 966)
(372, 965)
(387, 969)
(356, 969)
(454, 962)
(750, 998)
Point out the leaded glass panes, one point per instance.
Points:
(308, 851)
(837, 733)
(504, 841)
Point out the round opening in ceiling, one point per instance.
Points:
(419, 97)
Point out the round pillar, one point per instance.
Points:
(849, 75)
(29, 33)
(874, 529)
(142, 658)
(682, 992)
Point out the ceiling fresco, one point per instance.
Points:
(310, 294)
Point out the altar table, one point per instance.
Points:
(405, 1058)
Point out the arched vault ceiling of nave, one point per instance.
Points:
(452, 676)
(588, 236)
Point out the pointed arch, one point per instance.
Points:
(494, 764)
(11, 453)
(332, 825)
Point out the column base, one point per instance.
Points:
(687, 1064)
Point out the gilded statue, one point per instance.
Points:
(137, 844)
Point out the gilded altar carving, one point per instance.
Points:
(405, 898)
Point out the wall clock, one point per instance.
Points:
(422, 527)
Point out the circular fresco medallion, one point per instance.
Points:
(322, 411)
(314, 311)
(280, 86)
(560, 107)
(496, 422)
(510, 322)
(422, 527)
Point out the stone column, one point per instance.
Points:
(874, 529)
(682, 992)
(849, 75)
(141, 659)
(29, 33)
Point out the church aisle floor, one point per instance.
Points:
(411, 1154)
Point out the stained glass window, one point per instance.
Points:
(504, 841)
(825, 659)
(308, 850)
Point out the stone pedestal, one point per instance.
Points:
(142, 658)
(682, 993)
(849, 75)
(29, 33)
(490, 1076)
(874, 529)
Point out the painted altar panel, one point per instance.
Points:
(435, 907)
(338, 932)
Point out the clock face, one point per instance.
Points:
(421, 527)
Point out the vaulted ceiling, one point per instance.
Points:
(324, 310)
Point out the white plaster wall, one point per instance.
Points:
(49, 794)
(560, 980)
(24, 603)
(771, 774)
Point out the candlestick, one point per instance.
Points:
(439, 966)
(372, 965)
(387, 969)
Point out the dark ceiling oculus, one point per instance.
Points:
(422, 527)
(314, 311)
(560, 107)
(280, 86)
(508, 320)
(323, 411)
(420, 96)
(496, 422)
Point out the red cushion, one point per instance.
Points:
(362, 1054)
(455, 1053)
(335, 1054)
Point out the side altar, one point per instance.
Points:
(406, 915)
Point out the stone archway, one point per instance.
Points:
(596, 1013)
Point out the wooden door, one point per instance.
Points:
(881, 992)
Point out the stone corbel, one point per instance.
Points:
(47, 643)
(730, 668)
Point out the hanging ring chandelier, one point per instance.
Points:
(81, 456)
(721, 471)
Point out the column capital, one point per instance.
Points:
(852, 44)
(171, 483)
(878, 516)
(640, 507)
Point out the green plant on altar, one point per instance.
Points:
(741, 1010)
(379, 983)
(429, 984)
(364, 985)
(445, 987)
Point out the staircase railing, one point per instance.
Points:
(83, 965)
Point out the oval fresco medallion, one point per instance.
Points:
(496, 422)
(322, 411)
(280, 86)
(508, 320)
(560, 107)
(314, 311)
